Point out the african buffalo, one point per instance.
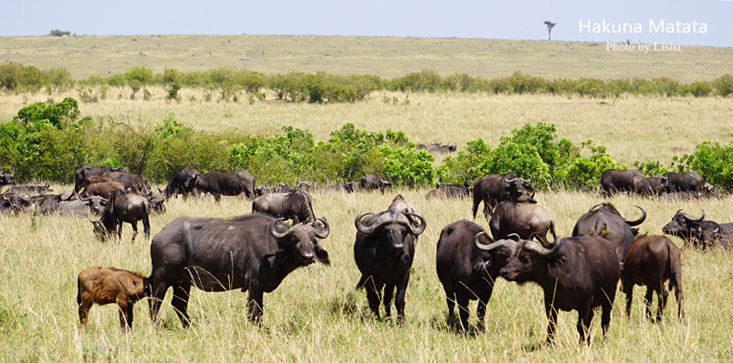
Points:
(647, 187)
(688, 228)
(684, 182)
(615, 180)
(349, 187)
(383, 251)
(436, 147)
(444, 190)
(651, 261)
(253, 252)
(220, 182)
(156, 201)
(123, 207)
(713, 238)
(133, 182)
(32, 189)
(467, 268)
(493, 188)
(523, 219)
(295, 205)
(103, 190)
(48, 203)
(12, 202)
(108, 285)
(374, 181)
(82, 206)
(608, 223)
(87, 170)
(6, 179)
(182, 182)
(575, 273)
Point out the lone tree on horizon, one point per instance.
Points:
(550, 25)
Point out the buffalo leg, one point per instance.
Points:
(629, 291)
(124, 313)
(552, 322)
(450, 300)
(373, 295)
(585, 315)
(180, 303)
(146, 226)
(483, 300)
(84, 311)
(648, 302)
(462, 301)
(400, 299)
(679, 296)
(159, 287)
(606, 308)
(662, 296)
(134, 230)
(387, 301)
(254, 305)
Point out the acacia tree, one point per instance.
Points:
(550, 25)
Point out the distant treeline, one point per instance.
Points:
(320, 87)
(48, 141)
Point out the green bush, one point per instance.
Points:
(714, 162)
(583, 172)
(724, 85)
(700, 88)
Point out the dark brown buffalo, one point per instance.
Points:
(220, 182)
(575, 273)
(493, 188)
(684, 182)
(123, 207)
(253, 252)
(374, 182)
(12, 202)
(437, 147)
(652, 186)
(295, 205)
(49, 203)
(182, 182)
(156, 201)
(88, 170)
(6, 179)
(133, 182)
(103, 189)
(109, 285)
(83, 206)
(688, 228)
(523, 219)
(443, 190)
(467, 268)
(714, 238)
(651, 261)
(608, 223)
(349, 187)
(31, 189)
(615, 180)
(383, 251)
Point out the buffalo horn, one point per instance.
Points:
(493, 245)
(542, 250)
(322, 232)
(420, 228)
(509, 180)
(593, 207)
(277, 234)
(515, 235)
(527, 180)
(687, 216)
(640, 220)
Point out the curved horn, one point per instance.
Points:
(519, 238)
(640, 220)
(275, 233)
(384, 219)
(687, 216)
(527, 180)
(542, 250)
(322, 233)
(420, 228)
(532, 235)
(509, 180)
(489, 246)
(593, 207)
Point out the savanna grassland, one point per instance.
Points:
(315, 314)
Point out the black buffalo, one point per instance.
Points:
(348, 187)
(444, 190)
(374, 182)
(88, 170)
(615, 180)
(6, 179)
(467, 268)
(384, 250)
(684, 182)
(182, 182)
(688, 228)
(575, 273)
(123, 207)
(295, 205)
(436, 147)
(493, 188)
(523, 219)
(605, 221)
(31, 189)
(253, 252)
(651, 186)
(220, 182)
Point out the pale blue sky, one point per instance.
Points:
(521, 19)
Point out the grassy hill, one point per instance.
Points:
(91, 55)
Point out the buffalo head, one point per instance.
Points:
(299, 243)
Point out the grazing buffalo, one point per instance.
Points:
(374, 181)
(608, 223)
(220, 182)
(576, 273)
(104, 190)
(384, 250)
(684, 182)
(493, 188)
(349, 187)
(615, 180)
(182, 182)
(651, 261)
(443, 190)
(133, 182)
(523, 219)
(295, 205)
(82, 206)
(467, 267)
(652, 186)
(108, 285)
(253, 252)
(88, 170)
(156, 201)
(122, 207)
(32, 189)
(688, 228)
(713, 238)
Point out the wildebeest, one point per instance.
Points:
(651, 261)
(133, 182)
(82, 206)
(615, 180)
(713, 238)
(575, 273)
(220, 182)
(348, 187)
(383, 251)
(87, 170)
(374, 181)
(651, 186)
(183, 182)
(467, 268)
(523, 219)
(688, 228)
(493, 188)
(608, 223)
(684, 182)
(123, 207)
(103, 190)
(444, 190)
(32, 189)
(108, 285)
(253, 252)
(295, 205)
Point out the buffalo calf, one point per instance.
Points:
(107, 285)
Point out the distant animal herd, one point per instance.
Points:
(256, 252)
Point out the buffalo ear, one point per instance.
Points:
(557, 260)
(483, 262)
(321, 254)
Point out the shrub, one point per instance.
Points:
(583, 172)
(724, 85)
(700, 88)
(713, 161)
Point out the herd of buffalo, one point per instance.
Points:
(256, 252)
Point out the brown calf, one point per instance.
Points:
(107, 285)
